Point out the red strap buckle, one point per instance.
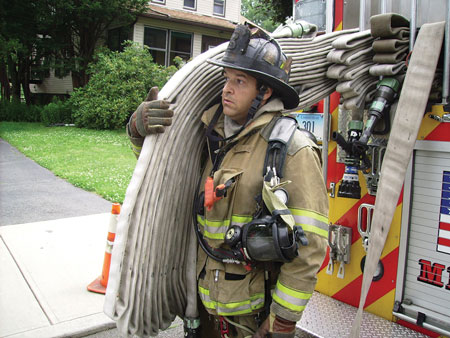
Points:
(224, 327)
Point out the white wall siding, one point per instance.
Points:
(233, 10)
(142, 22)
(138, 31)
(195, 30)
(197, 45)
(174, 4)
(205, 7)
(53, 85)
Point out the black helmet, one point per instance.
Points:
(260, 56)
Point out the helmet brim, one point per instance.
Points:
(285, 92)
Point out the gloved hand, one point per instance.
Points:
(275, 327)
(151, 116)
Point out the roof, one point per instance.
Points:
(159, 12)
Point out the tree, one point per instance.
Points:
(36, 35)
(268, 14)
(19, 28)
(79, 26)
(281, 9)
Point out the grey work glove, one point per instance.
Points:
(151, 117)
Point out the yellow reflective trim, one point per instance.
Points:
(203, 290)
(292, 292)
(204, 295)
(211, 235)
(311, 221)
(255, 302)
(217, 229)
(314, 229)
(240, 219)
(226, 222)
(287, 305)
(290, 298)
(217, 224)
(308, 213)
(200, 220)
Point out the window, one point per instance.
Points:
(211, 41)
(180, 45)
(219, 7)
(156, 40)
(190, 4)
(164, 45)
(117, 36)
(163, 2)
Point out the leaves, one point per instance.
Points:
(119, 83)
(267, 13)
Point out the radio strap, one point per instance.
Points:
(410, 111)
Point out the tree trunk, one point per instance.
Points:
(14, 78)
(26, 88)
(24, 77)
(4, 83)
(79, 79)
(76, 80)
(87, 42)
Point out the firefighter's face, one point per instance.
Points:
(238, 93)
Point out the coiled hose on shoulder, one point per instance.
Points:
(153, 269)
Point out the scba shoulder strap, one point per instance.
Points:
(280, 136)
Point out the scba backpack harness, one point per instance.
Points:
(272, 235)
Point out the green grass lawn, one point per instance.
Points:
(100, 161)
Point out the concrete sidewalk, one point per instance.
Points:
(52, 246)
(45, 268)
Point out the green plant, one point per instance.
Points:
(57, 112)
(18, 111)
(119, 82)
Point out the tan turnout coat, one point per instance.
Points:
(230, 289)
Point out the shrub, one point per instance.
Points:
(57, 112)
(118, 83)
(16, 111)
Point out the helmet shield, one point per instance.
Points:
(255, 53)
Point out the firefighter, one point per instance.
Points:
(234, 296)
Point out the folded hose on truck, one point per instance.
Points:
(152, 275)
(405, 127)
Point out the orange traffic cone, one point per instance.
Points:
(99, 285)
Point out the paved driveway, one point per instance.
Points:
(31, 193)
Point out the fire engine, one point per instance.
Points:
(410, 291)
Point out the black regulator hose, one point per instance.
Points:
(216, 254)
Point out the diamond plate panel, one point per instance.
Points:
(326, 317)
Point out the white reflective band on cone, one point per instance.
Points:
(407, 120)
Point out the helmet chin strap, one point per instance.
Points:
(256, 103)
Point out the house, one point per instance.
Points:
(170, 28)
